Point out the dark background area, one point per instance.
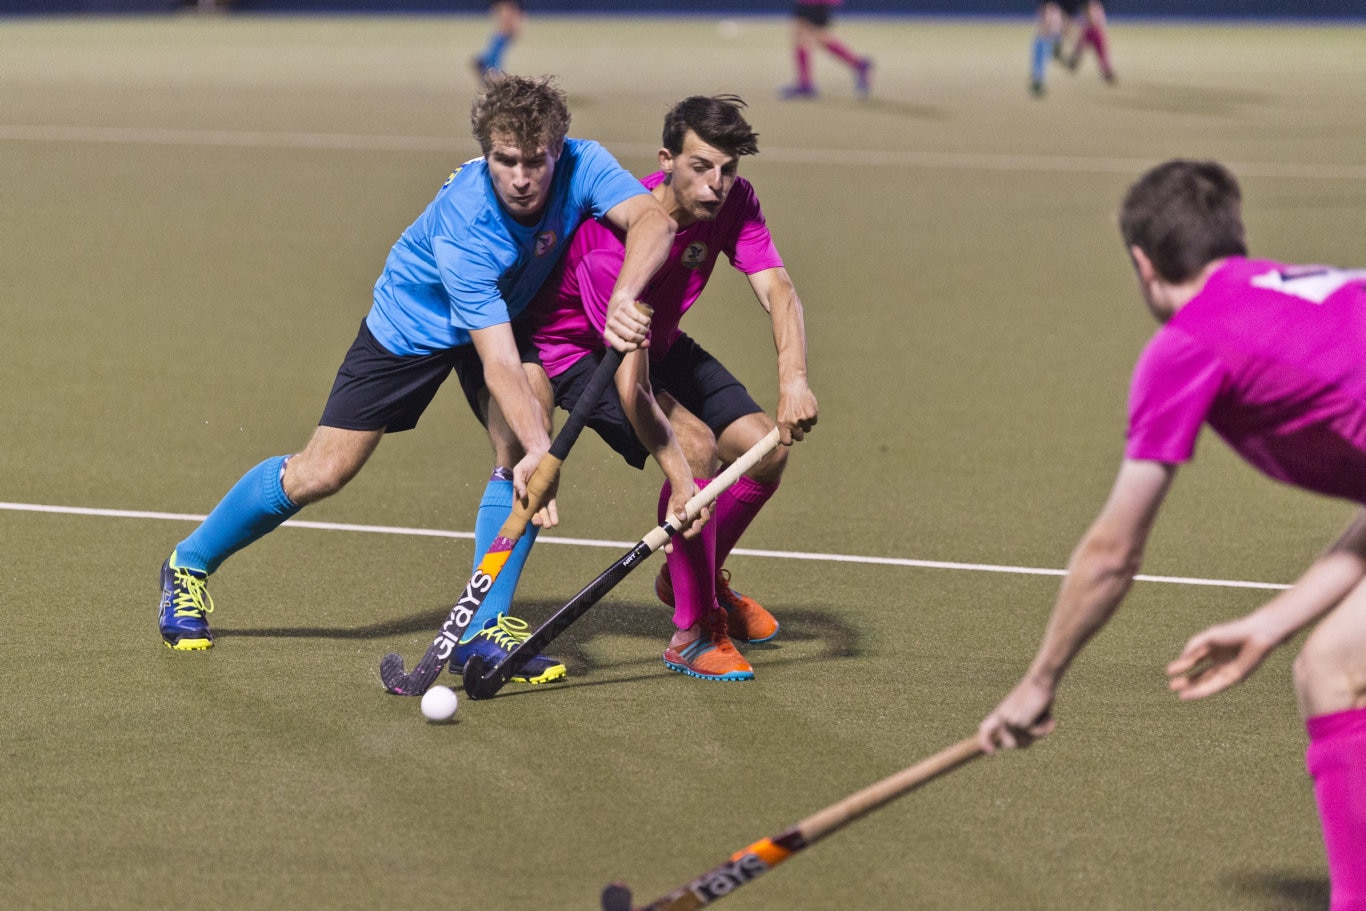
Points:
(1209, 9)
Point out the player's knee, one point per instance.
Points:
(700, 450)
(308, 480)
(770, 468)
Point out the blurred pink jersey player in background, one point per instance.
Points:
(674, 400)
(811, 31)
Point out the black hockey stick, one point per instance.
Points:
(482, 682)
(747, 863)
(403, 683)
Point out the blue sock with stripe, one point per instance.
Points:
(254, 507)
(494, 509)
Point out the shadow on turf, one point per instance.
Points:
(838, 639)
(1205, 101)
(1282, 890)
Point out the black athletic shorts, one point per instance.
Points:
(376, 389)
(695, 379)
(818, 14)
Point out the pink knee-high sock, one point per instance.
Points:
(735, 509)
(838, 48)
(692, 568)
(1096, 38)
(1336, 759)
(803, 67)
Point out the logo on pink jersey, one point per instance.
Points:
(695, 255)
(545, 242)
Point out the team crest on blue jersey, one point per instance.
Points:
(545, 242)
(695, 255)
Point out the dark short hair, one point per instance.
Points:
(716, 120)
(1184, 215)
(533, 111)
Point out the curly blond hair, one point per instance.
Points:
(533, 111)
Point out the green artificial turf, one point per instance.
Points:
(194, 212)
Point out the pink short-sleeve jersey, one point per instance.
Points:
(569, 315)
(1274, 358)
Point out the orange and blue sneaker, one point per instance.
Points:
(711, 656)
(185, 606)
(747, 619)
(500, 636)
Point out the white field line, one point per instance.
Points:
(890, 158)
(623, 545)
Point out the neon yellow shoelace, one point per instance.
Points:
(192, 597)
(507, 632)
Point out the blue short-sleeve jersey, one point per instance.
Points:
(467, 264)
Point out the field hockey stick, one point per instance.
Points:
(747, 863)
(403, 683)
(481, 683)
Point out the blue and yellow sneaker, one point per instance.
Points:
(499, 636)
(185, 605)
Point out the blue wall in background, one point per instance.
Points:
(1287, 9)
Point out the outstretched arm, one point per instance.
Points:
(797, 409)
(1223, 655)
(649, 236)
(1099, 574)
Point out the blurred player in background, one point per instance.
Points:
(1054, 20)
(1270, 356)
(675, 382)
(444, 302)
(811, 30)
(508, 18)
(1092, 35)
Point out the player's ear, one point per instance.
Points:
(666, 162)
(1142, 265)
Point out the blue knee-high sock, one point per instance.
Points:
(1043, 47)
(493, 54)
(255, 506)
(494, 510)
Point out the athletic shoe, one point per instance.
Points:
(185, 605)
(1036, 88)
(861, 71)
(788, 92)
(747, 619)
(500, 636)
(711, 656)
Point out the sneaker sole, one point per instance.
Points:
(771, 636)
(555, 673)
(189, 645)
(728, 677)
(558, 672)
